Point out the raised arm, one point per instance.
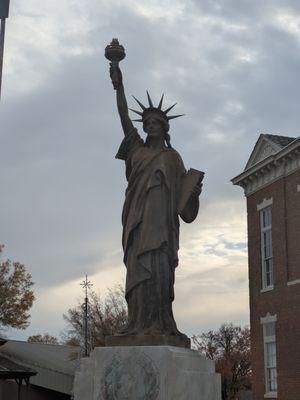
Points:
(117, 80)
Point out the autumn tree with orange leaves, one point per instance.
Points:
(16, 295)
(229, 347)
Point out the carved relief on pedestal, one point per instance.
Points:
(133, 377)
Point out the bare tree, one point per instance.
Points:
(46, 338)
(107, 316)
(229, 347)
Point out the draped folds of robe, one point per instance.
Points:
(150, 234)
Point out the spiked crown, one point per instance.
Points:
(154, 111)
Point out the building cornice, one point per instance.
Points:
(268, 170)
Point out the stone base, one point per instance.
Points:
(146, 373)
(148, 340)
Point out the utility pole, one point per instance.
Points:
(4, 10)
(86, 285)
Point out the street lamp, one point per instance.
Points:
(4, 10)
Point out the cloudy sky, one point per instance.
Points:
(232, 66)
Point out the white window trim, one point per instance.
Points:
(295, 282)
(265, 203)
(270, 395)
(298, 188)
(266, 320)
(267, 289)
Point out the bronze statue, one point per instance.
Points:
(159, 190)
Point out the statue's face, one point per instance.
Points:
(154, 128)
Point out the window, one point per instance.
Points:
(266, 247)
(270, 357)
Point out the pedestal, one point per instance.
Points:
(146, 373)
(148, 340)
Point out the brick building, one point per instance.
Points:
(271, 182)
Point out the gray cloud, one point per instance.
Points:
(231, 66)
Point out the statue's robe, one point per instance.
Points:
(151, 233)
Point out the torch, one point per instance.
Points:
(115, 52)
(4, 8)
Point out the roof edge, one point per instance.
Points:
(273, 157)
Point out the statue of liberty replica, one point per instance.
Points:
(159, 191)
(150, 359)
